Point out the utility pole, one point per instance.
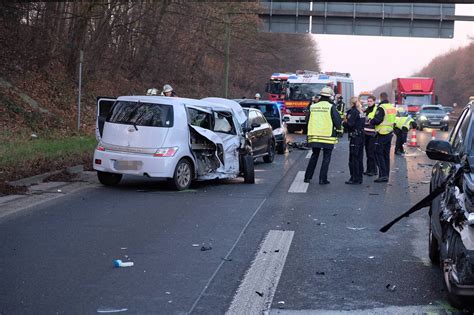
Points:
(226, 56)
(81, 60)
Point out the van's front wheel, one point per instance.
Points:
(109, 179)
(248, 169)
(182, 175)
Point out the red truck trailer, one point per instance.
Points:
(413, 92)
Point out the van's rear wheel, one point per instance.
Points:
(249, 170)
(109, 179)
(182, 175)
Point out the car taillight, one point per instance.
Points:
(166, 151)
(100, 147)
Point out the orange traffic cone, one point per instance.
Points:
(433, 134)
(413, 142)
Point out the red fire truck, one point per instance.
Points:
(413, 93)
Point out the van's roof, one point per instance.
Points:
(210, 102)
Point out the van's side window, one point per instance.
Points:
(199, 118)
(223, 123)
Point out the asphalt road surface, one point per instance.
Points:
(292, 248)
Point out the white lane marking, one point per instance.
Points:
(298, 185)
(226, 258)
(255, 293)
(416, 309)
(309, 154)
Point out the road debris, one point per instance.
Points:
(167, 292)
(356, 228)
(277, 250)
(259, 293)
(391, 287)
(205, 248)
(300, 145)
(226, 259)
(118, 263)
(281, 304)
(371, 257)
(111, 310)
(196, 245)
(320, 273)
(373, 194)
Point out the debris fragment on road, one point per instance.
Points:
(391, 287)
(205, 248)
(320, 273)
(259, 293)
(111, 310)
(356, 228)
(118, 263)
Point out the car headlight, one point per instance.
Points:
(277, 131)
(423, 117)
(446, 118)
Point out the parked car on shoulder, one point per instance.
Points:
(260, 134)
(178, 139)
(432, 116)
(273, 115)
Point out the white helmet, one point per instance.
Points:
(258, 95)
(326, 91)
(152, 91)
(167, 88)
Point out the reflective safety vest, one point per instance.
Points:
(368, 129)
(386, 126)
(320, 126)
(403, 122)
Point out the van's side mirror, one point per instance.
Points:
(441, 151)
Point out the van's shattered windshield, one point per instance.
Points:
(141, 114)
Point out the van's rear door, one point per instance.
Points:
(104, 104)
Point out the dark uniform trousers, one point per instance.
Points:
(382, 153)
(356, 157)
(323, 173)
(401, 139)
(369, 143)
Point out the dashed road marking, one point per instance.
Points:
(309, 154)
(255, 293)
(298, 185)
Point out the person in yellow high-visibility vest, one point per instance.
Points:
(322, 122)
(403, 123)
(369, 137)
(383, 122)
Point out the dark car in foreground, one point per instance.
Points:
(451, 231)
(273, 115)
(260, 135)
(432, 116)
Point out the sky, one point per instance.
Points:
(373, 60)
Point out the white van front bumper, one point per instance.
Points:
(134, 164)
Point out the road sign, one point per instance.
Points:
(349, 18)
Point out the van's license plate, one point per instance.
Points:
(127, 165)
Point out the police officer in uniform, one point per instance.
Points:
(323, 121)
(403, 123)
(354, 124)
(369, 138)
(383, 121)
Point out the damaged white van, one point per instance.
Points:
(169, 137)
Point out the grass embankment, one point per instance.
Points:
(22, 157)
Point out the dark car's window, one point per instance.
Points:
(461, 135)
(432, 110)
(260, 119)
(253, 117)
(141, 114)
(199, 118)
(454, 133)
